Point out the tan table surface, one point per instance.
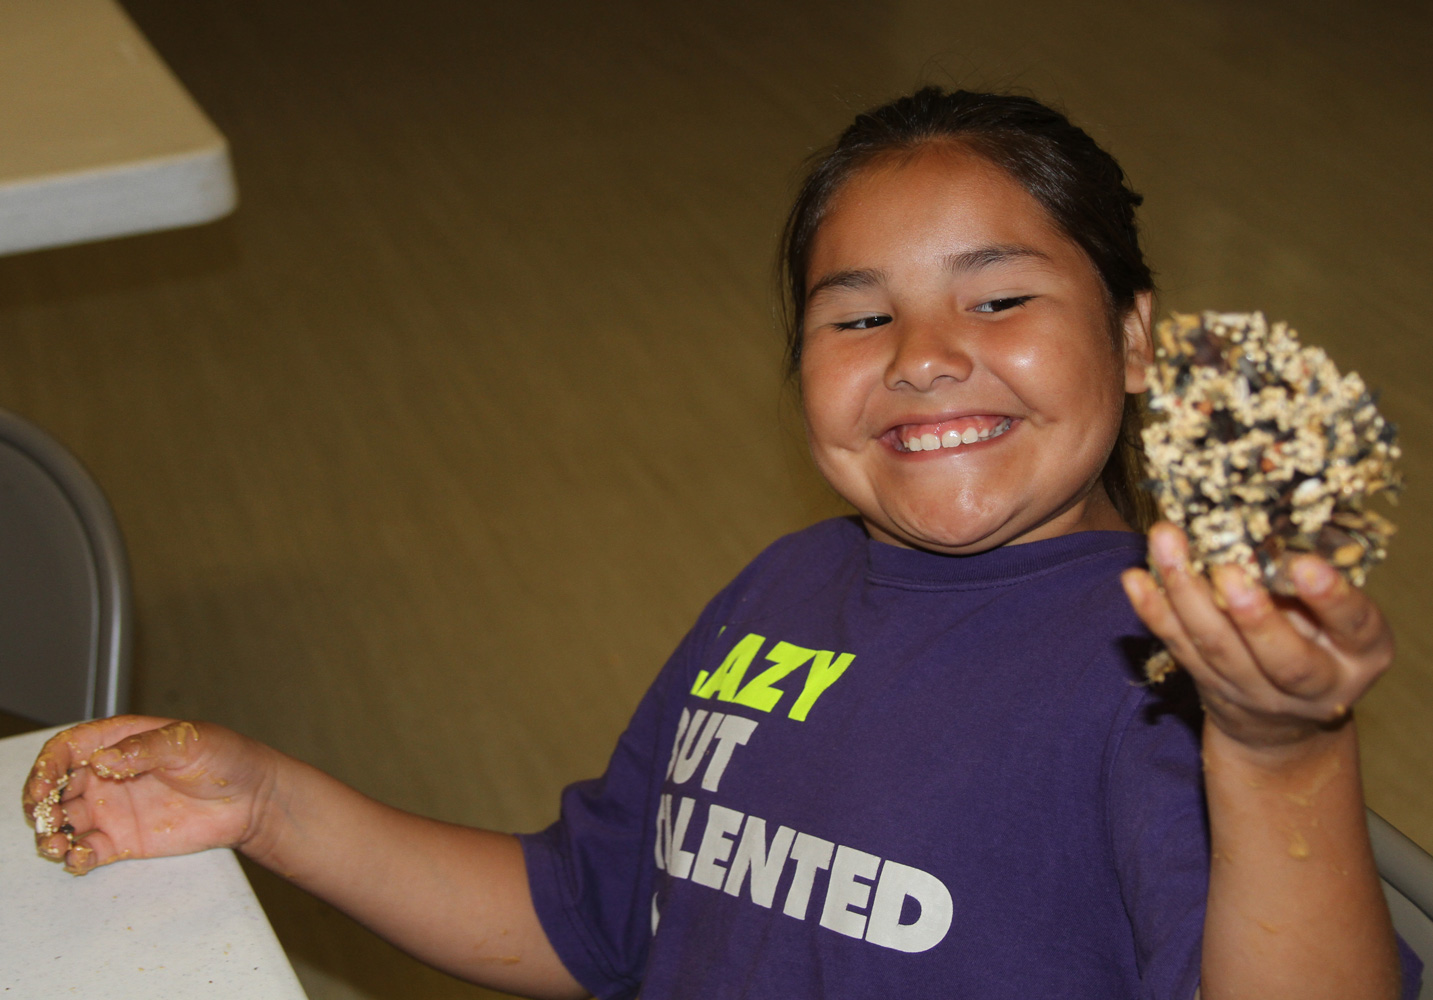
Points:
(97, 137)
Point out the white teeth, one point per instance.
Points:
(954, 438)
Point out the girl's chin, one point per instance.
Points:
(981, 534)
(968, 539)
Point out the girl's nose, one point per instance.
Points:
(925, 353)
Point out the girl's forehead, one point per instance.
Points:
(943, 194)
(937, 176)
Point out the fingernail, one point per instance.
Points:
(1166, 550)
(106, 762)
(1313, 576)
(53, 847)
(80, 860)
(1133, 583)
(1238, 590)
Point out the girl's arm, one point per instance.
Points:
(453, 896)
(1295, 909)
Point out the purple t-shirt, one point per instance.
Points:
(876, 772)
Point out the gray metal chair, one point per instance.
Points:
(65, 612)
(1407, 873)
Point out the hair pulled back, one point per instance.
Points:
(1080, 186)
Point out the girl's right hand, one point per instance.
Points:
(143, 787)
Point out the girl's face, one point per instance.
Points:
(960, 384)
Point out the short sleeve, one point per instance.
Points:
(590, 873)
(593, 873)
(1159, 834)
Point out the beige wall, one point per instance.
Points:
(429, 454)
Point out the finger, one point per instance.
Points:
(1153, 608)
(90, 851)
(77, 814)
(1348, 618)
(168, 747)
(1208, 633)
(44, 811)
(53, 825)
(1285, 655)
(56, 759)
(53, 846)
(80, 781)
(54, 817)
(71, 748)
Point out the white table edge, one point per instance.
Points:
(81, 206)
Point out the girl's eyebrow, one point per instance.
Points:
(975, 259)
(864, 277)
(979, 258)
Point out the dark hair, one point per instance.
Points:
(1079, 184)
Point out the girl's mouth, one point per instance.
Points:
(947, 434)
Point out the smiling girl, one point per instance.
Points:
(963, 386)
(903, 754)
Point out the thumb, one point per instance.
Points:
(170, 747)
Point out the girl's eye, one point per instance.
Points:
(864, 323)
(1000, 305)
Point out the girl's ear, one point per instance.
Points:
(1139, 344)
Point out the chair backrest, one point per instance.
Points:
(65, 613)
(1407, 873)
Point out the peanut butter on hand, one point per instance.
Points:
(46, 808)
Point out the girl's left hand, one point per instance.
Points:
(1271, 671)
